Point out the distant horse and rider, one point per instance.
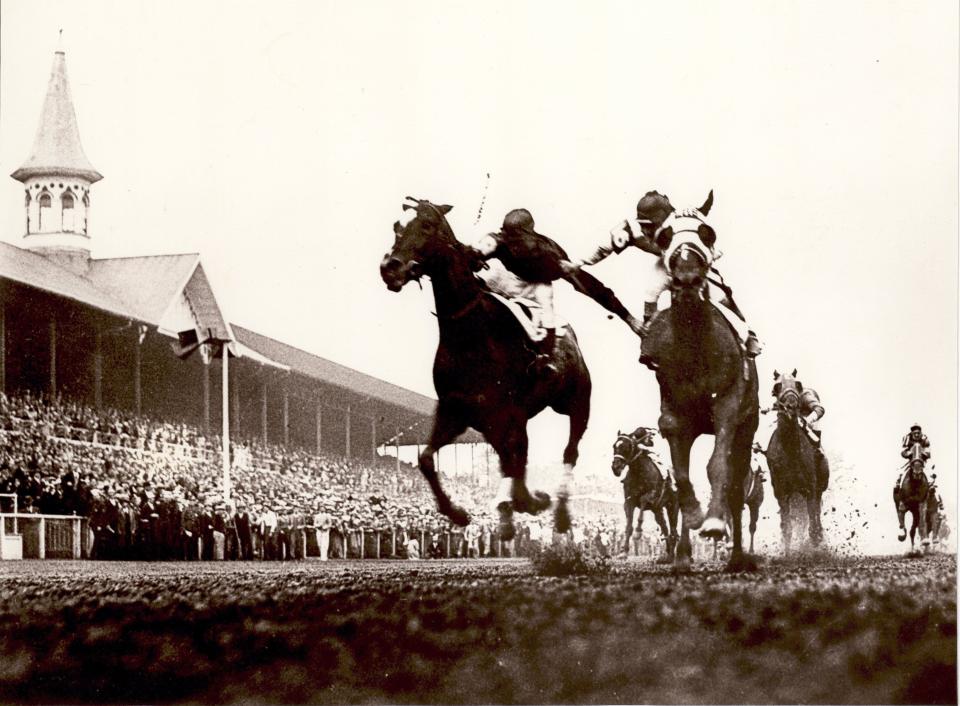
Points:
(645, 487)
(913, 493)
(799, 471)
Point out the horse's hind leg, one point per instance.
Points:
(447, 426)
(785, 522)
(754, 512)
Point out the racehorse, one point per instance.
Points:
(912, 494)
(644, 488)
(483, 370)
(797, 471)
(708, 385)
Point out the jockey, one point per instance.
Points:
(645, 437)
(757, 461)
(916, 436)
(538, 261)
(652, 211)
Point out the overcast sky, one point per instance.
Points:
(278, 139)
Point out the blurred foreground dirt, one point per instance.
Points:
(825, 630)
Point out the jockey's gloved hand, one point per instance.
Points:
(477, 260)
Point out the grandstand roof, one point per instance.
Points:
(146, 285)
(299, 361)
(35, 270)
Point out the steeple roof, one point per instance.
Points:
(56, 148)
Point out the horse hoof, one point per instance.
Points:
(902, 536)
(666, 560)
(693, 519)
(532, 504)
(712, 528)
(682, 564)
(740, 563)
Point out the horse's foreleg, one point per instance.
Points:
(754, 512)
(680, 440)
(785, 522)
(721, 488)
(579, 413)
(672, 509)
(447, 426)
(901, 513)
(628, 511)
(660, 515)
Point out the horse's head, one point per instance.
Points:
(916, 468)
(422, 236)
(686, 241)
(624, 451)
(787, 389)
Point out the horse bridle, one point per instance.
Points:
(634, 444)
(470, 305)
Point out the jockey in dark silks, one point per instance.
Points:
(539, 261)
(645, 437)
(653, 210)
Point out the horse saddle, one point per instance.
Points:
(526, 312)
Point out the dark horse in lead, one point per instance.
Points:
(708, 385)
(483, 370)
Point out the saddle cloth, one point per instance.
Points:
(517, 296)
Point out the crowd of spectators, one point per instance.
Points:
(152, 490)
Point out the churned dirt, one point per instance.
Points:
(816, 630)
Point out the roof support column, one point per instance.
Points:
(347, 442)
(3, 346)
(137, 393)
(225, 438)
(53, 355)
(396, 440)
(98, 368)
(263, 410)
(373, 437)
(236, 401)
(286, 417)
(206, 397)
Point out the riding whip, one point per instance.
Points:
(483, 199)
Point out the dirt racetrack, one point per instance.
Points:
(835, 630)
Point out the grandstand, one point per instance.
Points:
(114, 386)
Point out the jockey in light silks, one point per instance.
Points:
(537, 261)
(653, 210)
(645, 437)
(914, 436)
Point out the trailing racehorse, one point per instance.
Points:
(708, 385)
(797, 471)
(483, 370)
(753, 495)
(645, 488)
(912, 494)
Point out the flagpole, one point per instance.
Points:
(226, 422)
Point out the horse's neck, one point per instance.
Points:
(454, 288)
(789, 431)
(691, 335)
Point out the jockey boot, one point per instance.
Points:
(544, 362)
(752, 344)
(635, 326)
(649, 311)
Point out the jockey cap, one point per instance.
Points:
(654, 207)
(915, 427)
(519, 219)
